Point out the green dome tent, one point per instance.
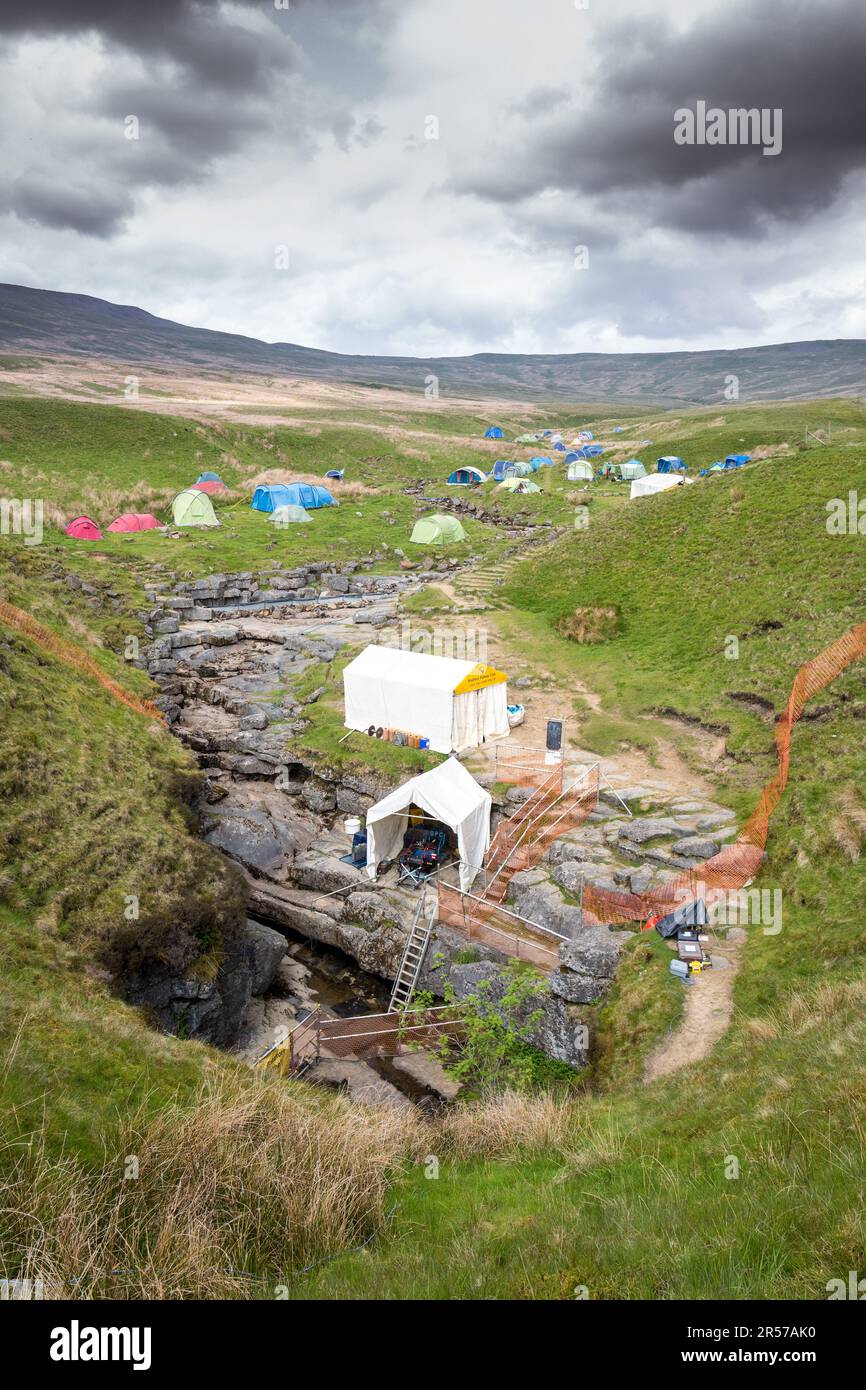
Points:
(518, 485)
(193, 508)
(288, 514)
(437, 529)
(632, 469)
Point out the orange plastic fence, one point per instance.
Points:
(72, 656)
(738, 862)
(526, 766)
(734, 866)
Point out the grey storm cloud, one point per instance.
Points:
(195, 124)
(802, 58)
(200, 37)
(208, 86)
(91, 210)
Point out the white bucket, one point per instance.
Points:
(352, 824)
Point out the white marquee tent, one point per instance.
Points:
(656, 482)
(454, 704)
(447, 793)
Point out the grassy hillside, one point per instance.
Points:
(623, 1191)
(93, 804)
(631, 1199)
(52, 322)
(103, 460)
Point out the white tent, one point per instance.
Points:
(580, 470)
(447, 793)
(454, 704)
(655, 482)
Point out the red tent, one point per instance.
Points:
(84, 529)
(135, 521)
(210, 487)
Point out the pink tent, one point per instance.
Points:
(135, 521)
(209, 486)
(84, 529)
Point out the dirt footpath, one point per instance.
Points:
(707, 1016)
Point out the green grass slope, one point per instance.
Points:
(635, 1197)
(94, 803)
(627, 1191)
(133, 1164)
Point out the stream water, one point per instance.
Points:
(335, 982)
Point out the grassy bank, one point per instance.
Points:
(738, 1177)
(133, 1164)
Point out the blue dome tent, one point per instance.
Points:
(501, 469)
(208, 478)
(335, 473)
(468, 476)
(494, 432)
(560, 448)
(669, 463)
(307, 495)
(592, 451)
(738, 460)
(540, 462)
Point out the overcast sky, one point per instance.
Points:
(307, 127)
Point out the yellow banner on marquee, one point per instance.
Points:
(479, 677)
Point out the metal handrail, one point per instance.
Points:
(520, 815)
(535, 821)
(506, 911)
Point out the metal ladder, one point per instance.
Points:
(413, 955)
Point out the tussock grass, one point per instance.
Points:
(501, 1126)
(848, 828)
(226, 1197)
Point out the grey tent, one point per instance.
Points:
(690, 915)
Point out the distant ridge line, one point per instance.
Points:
(59, 323)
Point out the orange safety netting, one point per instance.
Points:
(736, 865)
(72, 656)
